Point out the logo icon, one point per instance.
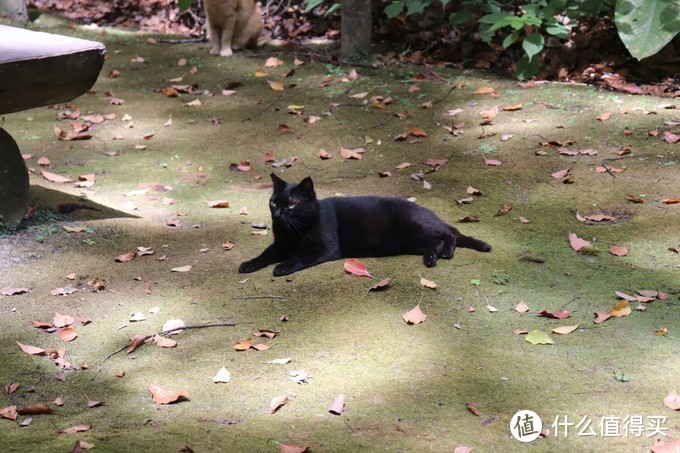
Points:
(526, 426)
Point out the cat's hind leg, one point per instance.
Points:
(215, 37)
(448, 246)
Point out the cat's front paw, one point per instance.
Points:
(286, 269)
(249, 266)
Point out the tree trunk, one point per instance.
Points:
(14, 9)
(356, 27)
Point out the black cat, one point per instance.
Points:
(308, 231)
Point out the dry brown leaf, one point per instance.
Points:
(618, 250)
(53, 177)
(522, 307)
(165, 396)
(672, 400)
(276, 85)
(620, 309)
(355, 153)
(164, 342)
(9, 291)
(428, 283)
(277, 402)
(126, 257)
(562, 173)
(9, 412)
(32, 350)
(338, 406)
(242, 345)
(35, 409)
(604, 116)
(565, 330)
(186, 268)
(601, 316)
(485, 90)
(322, 154)
(382, 284)
(356, 267)
(414, 316)
(68, 334)
(75, 429)
(576, 242)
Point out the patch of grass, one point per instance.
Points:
(500, 277)
(44, 223)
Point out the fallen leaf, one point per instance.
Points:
(382, 284)
(618, 250)
(620, 309)
(523, 219)
(218, 204)
(469, 219)
(601, 316)
(32, 350)
(670, 137)
(35, 409)
(282, 361)
(276, 85)
(491, 162)
(356, 267)
(512, 108)
(414, 316)
(265, 333)
(272, 62)
(403, 165)
(604, 116)
(492, 309)
(565, 330)
(562, 173)
(186, 268)
(338, 406)
(59, 401)
(351, 153)
(539, 337)
(522, 307)
(242, 345)
(428, 283)
(261, 347)
(53, 177)
(9, 412)
(322, 154)
(164, 342)
(277, 402)
(472, 191)
(576, 242)
(485, 90)
(286, 448)
(94, 403)
(127, 257)
(63, 291)
(165, 396)
(634, 198)
(472, 408)
(9, 291)
(173, 326)
(222, 376)
(557, 314)
(195, 103)
(68, 334)
(75, 429)
(671, 200)
(672, 400)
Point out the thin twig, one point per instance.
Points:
(166, 332)
(258, 113)
(382, 122)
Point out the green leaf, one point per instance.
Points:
(414, 7)
(510, 39)
(494, 17)
(552, 27)
(533, 44)
(460, 17)
(475, 282)
(646, 26)
(526, 69)
(311, 4)
(539, 337)
(334, 7)
(184, 5)
(394, 9)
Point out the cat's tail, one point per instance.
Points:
(470, 242)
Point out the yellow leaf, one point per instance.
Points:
(620, 309)
(276, 85)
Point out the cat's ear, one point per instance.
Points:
(279, 184)
(306, 188)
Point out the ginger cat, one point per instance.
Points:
(232, 25)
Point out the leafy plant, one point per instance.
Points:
(500, 278)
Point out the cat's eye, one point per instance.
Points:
(291, 206)
(272, 204)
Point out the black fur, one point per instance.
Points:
(308, 231)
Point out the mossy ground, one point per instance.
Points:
(406, 387)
